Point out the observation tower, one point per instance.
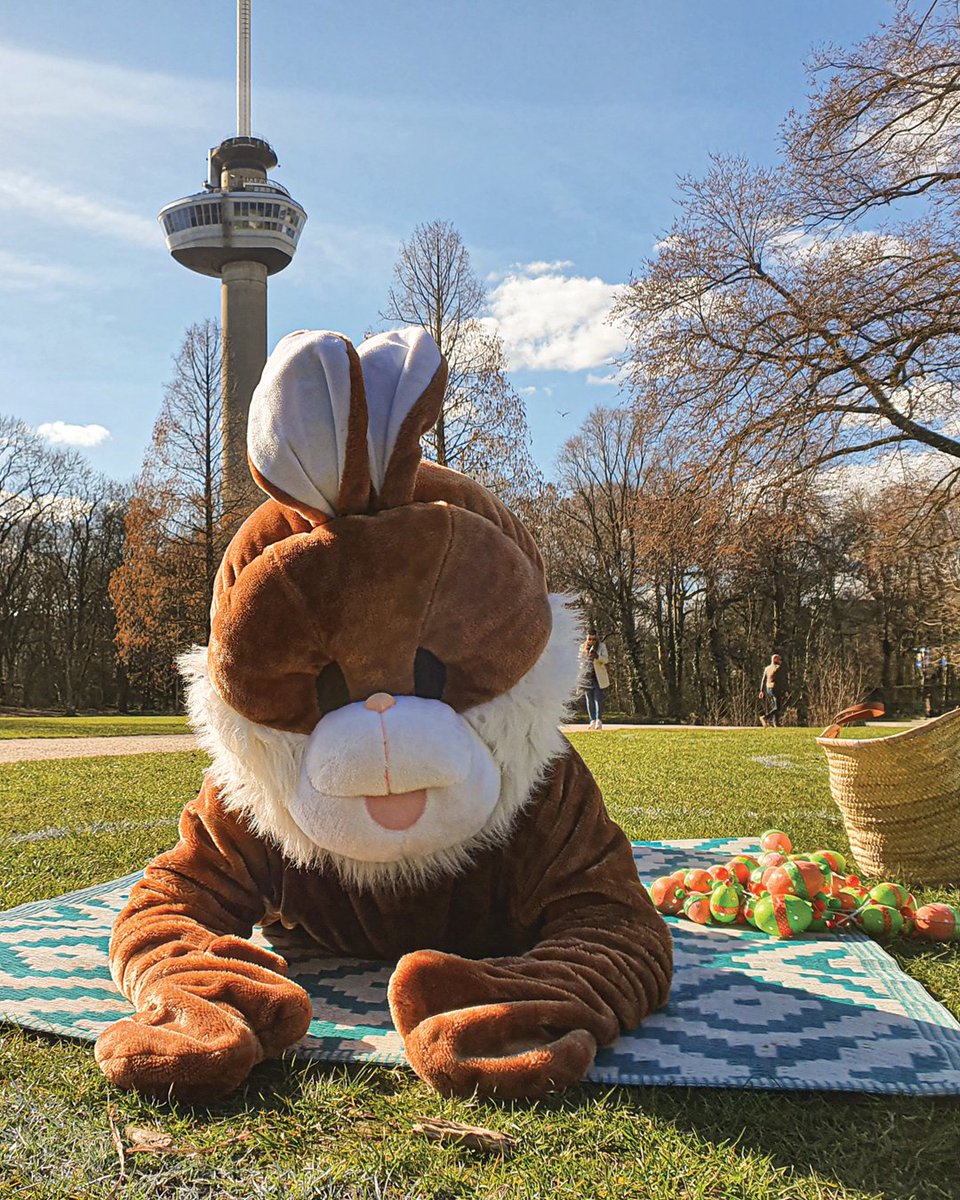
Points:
(241, 228)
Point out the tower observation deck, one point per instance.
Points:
(241, 228)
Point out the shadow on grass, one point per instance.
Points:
(901, 1148)
(895, 1147)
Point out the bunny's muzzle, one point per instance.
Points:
(394, 778)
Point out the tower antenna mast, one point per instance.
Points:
(243, 68)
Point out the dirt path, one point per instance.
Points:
(36, 749)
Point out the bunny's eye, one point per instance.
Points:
(429, 675)
(332, 691)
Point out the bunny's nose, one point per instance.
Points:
(379, 702)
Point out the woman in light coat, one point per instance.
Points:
(596, 679)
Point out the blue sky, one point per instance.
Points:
(551, 134)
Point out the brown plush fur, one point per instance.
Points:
(509, 975)
(511, 968)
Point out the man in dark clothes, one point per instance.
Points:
(772, 692)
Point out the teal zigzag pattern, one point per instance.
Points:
(746, 1010)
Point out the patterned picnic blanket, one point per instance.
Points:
(746, 1010)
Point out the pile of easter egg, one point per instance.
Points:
(785, 894)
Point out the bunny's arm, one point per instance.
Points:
(601, 960)
(210, 1004)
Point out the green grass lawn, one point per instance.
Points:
(58, 727)
(325, 1131)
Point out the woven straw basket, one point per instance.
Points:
(899, 796)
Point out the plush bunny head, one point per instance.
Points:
(386, 670)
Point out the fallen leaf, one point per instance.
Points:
(471, 1137)
(144, 1140)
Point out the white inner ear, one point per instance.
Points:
(397, 368)
(300, 412)
(300, 416)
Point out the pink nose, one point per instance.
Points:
(379, 702)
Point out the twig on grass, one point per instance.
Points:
(121, 1155)
(471, 1137)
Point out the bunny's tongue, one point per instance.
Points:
(398, 811)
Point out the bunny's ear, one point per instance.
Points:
(404, 376)
(307, 430)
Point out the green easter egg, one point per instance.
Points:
(879, 920)
(891, 895)
(783, 916)
(725, 904)
(832, 859)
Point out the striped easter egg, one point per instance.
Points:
(803, 879)
(783, 916)
(893, 895)
(697, 908)
(725, 903)
(879, 920)
(832, 859)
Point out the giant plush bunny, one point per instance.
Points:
(380, 698)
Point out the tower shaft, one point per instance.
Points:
(241, 228)
(243, 298)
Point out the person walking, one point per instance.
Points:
(771, 692)
(596, 679)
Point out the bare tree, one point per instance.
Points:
(60, 526)
(482, 428)
(791, 339)
(185, 461)
(601, 471)
(32, 477)
(883, 118)
(81, 548)
(176, 527)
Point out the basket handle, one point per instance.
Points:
(856, 712)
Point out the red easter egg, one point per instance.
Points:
(680, 875)
(718, 871)
(773, 858)
(741, 866)
(803, 879)
(697, 881)
(776, 839)
(938, 922)
(740, 869)
(667, 894)
(697, 908)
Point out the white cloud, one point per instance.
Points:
(37, 88)
(555, 322)
(60, 433)
(543, 268)
(19, 274)
(51, 204)
(610, 380)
